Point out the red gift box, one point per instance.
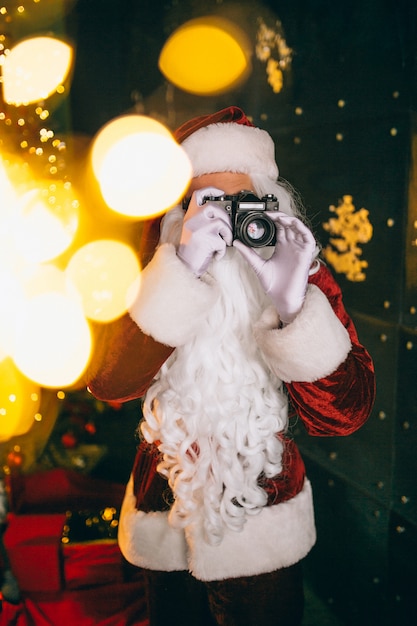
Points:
(33, 544)
(90, 564)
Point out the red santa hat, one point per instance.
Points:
(227, 141)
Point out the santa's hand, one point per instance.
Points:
(205, 233)
(284, 276)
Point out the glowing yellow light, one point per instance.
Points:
(206, 56)
(46, 224)
(12, 299)
(43, 278)
(104, 273)
(141, 170)
(7, 192)
(54, 341)
(34, 69)
(19, 401)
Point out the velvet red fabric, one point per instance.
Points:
(128, 365)
(230, 114)
(119, 345)
(339, 404)
(153, 493)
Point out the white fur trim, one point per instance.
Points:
(171, 299)
(277, 537)
(311, 347)
(147, 540)
(231, 148)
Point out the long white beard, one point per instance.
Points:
(215, 410)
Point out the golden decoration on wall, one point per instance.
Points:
(347, 230)
(271, 48)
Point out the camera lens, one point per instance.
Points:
(256, 230)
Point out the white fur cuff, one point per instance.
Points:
(277, 537)
(171, 299)
(311, 347)
(147, 540)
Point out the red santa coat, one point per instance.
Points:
(329, 377)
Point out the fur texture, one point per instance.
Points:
(311, 347)
(231, 148)
(149, 541)
(171, 314)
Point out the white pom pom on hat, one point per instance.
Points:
(227, 141)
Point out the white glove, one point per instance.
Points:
(205, 233)
(284, 276)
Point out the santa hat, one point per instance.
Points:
(227, 141)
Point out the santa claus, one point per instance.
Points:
(223, 336)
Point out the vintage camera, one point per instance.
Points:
(250, 223)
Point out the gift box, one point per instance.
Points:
(33, 544)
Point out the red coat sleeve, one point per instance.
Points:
(125, 360)
(128, 361)
(340, 403)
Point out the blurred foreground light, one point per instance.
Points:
(206, 56)
(19, 401)
(10, 302)
(141, 170)
(47, 223)
(35, 69)
(53, 340)
(103, 273)
(7, 193)
(43, 278)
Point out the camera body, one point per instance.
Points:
(250, 224)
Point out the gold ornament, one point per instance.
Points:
(271, 48)
(347, 230)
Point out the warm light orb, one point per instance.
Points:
(103, 273)
(42, 278)
(34, 69)
(140, 168)
(53, 340)
(12, 299)
(7, 192)
(19, 401)
(206, 56)
(46, 224)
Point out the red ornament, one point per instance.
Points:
(90, 428)
(69, 440)
(15, 459)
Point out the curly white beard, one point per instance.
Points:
(215, 409)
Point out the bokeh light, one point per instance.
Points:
(46, 223)
(36, 279)
(7, 192)
(34, 69)
(53, 340)
(19, 401)
(206, 56)
(12, 298)
(105, 273)
(141, 170)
